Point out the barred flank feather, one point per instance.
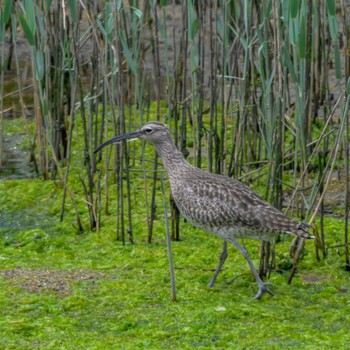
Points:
(303, 231)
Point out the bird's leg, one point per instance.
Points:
(262, 286)
(222, 259)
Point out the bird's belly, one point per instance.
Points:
(233, 231)
(241, 232)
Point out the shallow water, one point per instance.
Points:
(24, 219)
(15, 162)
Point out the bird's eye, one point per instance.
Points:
(148, 130)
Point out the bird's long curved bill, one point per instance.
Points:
(116, 139)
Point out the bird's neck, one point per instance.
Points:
(173, 160)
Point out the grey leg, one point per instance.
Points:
(262, 286)
(222, 259)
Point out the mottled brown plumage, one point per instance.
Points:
(217, 204)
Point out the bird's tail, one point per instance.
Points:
(303, 231)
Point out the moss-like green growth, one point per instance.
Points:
(60, 290)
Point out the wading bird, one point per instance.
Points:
(216, 204)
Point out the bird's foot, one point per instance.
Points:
(211, 284)
(263, 289)
(213, 279)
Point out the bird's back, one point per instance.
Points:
(226, 207)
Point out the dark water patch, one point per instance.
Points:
(14, 222)
(25, 206)
(15, 162)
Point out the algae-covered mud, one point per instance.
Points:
(63, 290)
(60, 289)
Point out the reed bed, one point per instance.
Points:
(255, 90)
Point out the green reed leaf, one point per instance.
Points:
(7, 11)
(39, 65)
(302, 38)
(337, 60)
(289, 64)
(127, 53)
(192, 22)
(48, 5)
(29, 10)
(333, 27)
(30, 36)
(294, 8)
(73, 10)
(331, 7)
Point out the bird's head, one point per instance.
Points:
(154, 132)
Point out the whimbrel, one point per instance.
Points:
(217, 204)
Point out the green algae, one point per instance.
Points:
(129, 305)
(124, 301)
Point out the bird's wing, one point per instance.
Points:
(223, 201)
